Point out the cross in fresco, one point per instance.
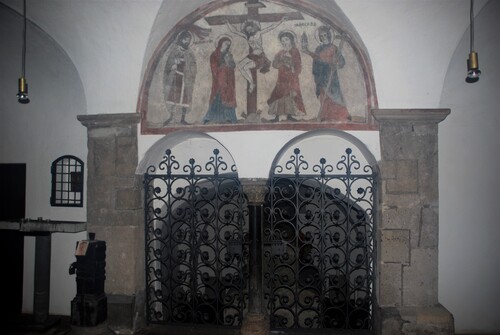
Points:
(252, 32)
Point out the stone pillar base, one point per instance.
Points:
(417, 320)
(121, 313)
(255, 324)
(100, 329)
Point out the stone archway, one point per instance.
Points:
(407, 234)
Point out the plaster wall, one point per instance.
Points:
(469, 183)
(38, 133)
(98, 34)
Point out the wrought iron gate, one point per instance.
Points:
(319, 244)
(196, 250)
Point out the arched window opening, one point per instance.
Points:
(67, 182)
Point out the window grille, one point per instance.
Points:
(67, 182)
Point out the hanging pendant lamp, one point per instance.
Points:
(473, 71)
(22, 95)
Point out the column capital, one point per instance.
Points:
(255, 189)
(411, 115)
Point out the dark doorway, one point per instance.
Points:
(12, 208)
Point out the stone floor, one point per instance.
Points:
(62, 326)
(57, 325)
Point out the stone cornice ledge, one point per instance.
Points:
(109, 120)
(411, 115)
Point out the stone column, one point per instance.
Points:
(114, 211)
(409, 222)
(256, 321)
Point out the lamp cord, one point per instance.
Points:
(471, 25)
(24, 39)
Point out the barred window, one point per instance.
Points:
(67, 182)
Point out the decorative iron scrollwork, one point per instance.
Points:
(196, 242)
(321, 217)
(235, 247)
(278, 247)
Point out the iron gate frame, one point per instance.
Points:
(277, 250)
(227, 289)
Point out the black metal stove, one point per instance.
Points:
(89, 307)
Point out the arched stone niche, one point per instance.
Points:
(316, 82)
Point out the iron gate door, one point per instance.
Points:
(319, 244)
(196, 253)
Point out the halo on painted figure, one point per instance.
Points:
(216, 44)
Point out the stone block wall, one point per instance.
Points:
(114, 210)
(409, 224)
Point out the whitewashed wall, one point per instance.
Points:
(469, 182)
(418, 51)
(38, 133)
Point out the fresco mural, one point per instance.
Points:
(246, 65)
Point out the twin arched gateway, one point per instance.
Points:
(318, 242)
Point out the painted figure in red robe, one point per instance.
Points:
(222, 108)
(327, 59)
(286, 97)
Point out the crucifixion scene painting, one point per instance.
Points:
(250, 65)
